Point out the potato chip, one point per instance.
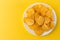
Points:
(39, 20)
(45, 27)
(36, 16)
(39, 31)
(29, 21)
(34, 26)
(52, 25)
(50, 14)
(37, 7)
(43, 10)
(47, 20)
(30, 12)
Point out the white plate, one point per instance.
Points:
(31, 31)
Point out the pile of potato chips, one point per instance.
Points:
(39, 18)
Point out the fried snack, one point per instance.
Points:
(34, 26)
(30, 12)
(39, 31)
(40, 19)
(52, 25)
(37, 7)
(37, 19)
(45, 27)
(50, 14)
(47, 20)
(29, 21)
(43, 10)
(36, 16)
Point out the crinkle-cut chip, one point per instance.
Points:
(50, 14)
(30, 12)
(37, 7)
(45, 27)
(47, 20)
(39, 31)
(43, 10)
(29, 21)
(52, 25)
(34, 26)
(39, 20)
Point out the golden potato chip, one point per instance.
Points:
(34, 26)
(29, 21)
(39, 31)
(39, 20)
(47, 20)
(43, 10)
(37, 7)
(50, 14)
(32, 17)
(30, 12)
(52, 25)
(45, 27)
(36, 15)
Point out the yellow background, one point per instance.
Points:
(11, 20)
